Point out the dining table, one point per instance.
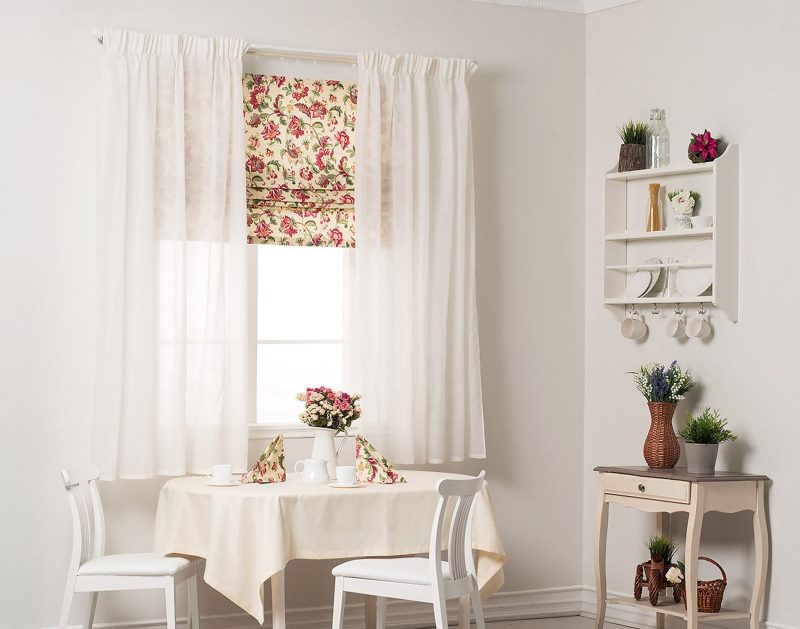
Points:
(248, 533)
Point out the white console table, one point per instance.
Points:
(664, 492)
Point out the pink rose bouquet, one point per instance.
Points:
(326, 408)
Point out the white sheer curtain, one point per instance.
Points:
(173, 375)
(413, 326)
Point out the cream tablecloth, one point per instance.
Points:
(250, 532)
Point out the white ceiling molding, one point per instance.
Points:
(572, 6)
(590, 6)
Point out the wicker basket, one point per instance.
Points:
(709, 593)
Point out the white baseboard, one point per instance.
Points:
(574, 600)
(544, 603)
(638, 618)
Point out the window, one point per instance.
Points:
(299, 331)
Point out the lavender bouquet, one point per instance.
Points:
(658, 383)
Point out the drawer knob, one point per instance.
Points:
(641, 487)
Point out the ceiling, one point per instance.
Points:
(573, 6)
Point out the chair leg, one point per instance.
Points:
(338, 604)
(440, 610)
(169, 596)
(194, 610)
(92, 608)
(380, 612)
(66, 605)
(477, 608)
(463, 612)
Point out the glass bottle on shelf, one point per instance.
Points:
(670, 290)
(658, 140)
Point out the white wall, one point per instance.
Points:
(729, 66)
(528, 127)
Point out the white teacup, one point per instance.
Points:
(346, 474)
(702, 221)
(633, 327)
(220, 473)
(697, 327)
(676, 328)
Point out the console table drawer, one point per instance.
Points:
(648, 488)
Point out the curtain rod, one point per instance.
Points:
(261, 50)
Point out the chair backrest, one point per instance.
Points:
(459, 539)
(88, 525)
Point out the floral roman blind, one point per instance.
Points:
(300, 161)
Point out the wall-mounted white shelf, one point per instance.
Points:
(648, 267)
(627, 245)
(668, 171)
(624, 301)
(663, 235)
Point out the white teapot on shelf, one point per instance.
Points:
(313, 471)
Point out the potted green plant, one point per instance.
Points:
(702, 435)
(633, 152)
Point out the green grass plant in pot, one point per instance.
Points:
(633, 152)
(652, 574)
(702, 435)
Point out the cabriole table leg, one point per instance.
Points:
(693, 529)
(761, 536)
(600, 559)
(662, 528)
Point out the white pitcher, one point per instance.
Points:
(325, 448)
(314, 471)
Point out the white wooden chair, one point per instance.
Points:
(92, 571)
(425, 579)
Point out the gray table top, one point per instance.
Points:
(680, 473)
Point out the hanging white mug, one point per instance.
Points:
(633, 327)
(675, 327)
(698, 327)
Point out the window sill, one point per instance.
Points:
(270, 431)
(290, 431)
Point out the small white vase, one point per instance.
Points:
(682, 221)
(325, 448)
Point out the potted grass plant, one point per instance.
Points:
(633, 152)
(652, 574)
(702, 435)
(661, 549)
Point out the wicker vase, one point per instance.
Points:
(661, 448)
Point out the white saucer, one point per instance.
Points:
(213, 483)
(343, 486)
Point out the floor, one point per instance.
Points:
(568, 622)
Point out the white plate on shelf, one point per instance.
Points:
(345, 486)
(639, 283)
(213, 483)
(655, 274)
(696, 281)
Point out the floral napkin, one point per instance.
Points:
(372, 466)
(269, 468)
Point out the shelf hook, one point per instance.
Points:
(702, 310)
(655, 310)
(678, 310)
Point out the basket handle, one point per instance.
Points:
(709, 560)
